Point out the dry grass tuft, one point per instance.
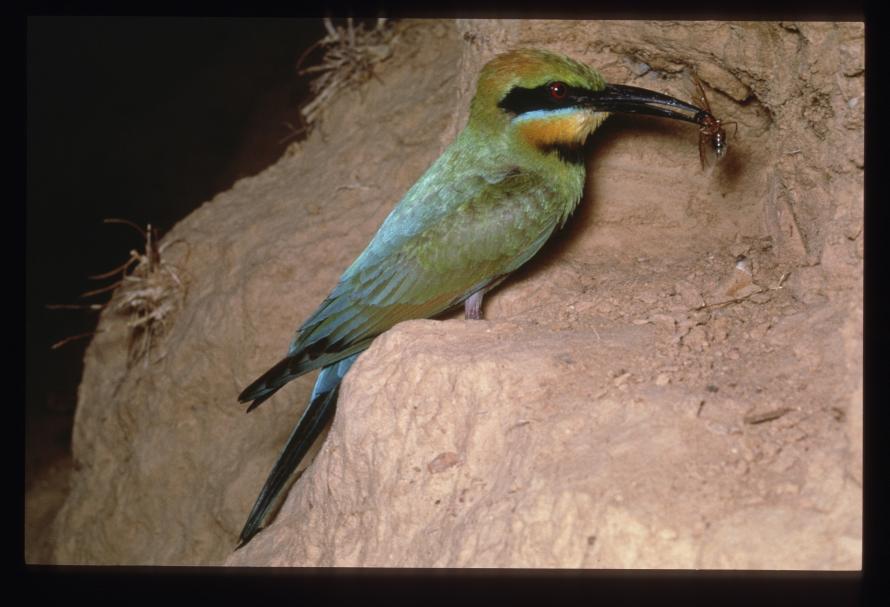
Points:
(351, 52)
(149, 291)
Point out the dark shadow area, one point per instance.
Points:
(142, 119)
(600, 145)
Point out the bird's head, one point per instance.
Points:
(550, 101)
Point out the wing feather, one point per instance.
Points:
(423, 272)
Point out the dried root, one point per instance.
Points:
(149, 291)
(351, 53)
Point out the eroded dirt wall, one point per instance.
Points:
(675, 381)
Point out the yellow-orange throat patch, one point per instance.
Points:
(559, 127)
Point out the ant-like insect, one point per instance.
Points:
(712, 144)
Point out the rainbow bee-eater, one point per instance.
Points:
(485, 207)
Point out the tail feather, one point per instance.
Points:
(320, 411)
(267, 384)
(261, 399)
(293, 366)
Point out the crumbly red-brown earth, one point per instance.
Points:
(674, 382)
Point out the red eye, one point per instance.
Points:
(558, 90)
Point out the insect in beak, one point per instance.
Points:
(619, 98)
(712, 142)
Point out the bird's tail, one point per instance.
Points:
(321, 408)
(267, 384)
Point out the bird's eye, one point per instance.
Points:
(557, 90)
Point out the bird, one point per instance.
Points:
(508, 181)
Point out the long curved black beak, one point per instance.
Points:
(635, 100)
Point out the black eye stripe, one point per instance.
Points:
(521, 100)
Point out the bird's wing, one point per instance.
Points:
(441, 243)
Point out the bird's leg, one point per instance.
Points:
(473, 305)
